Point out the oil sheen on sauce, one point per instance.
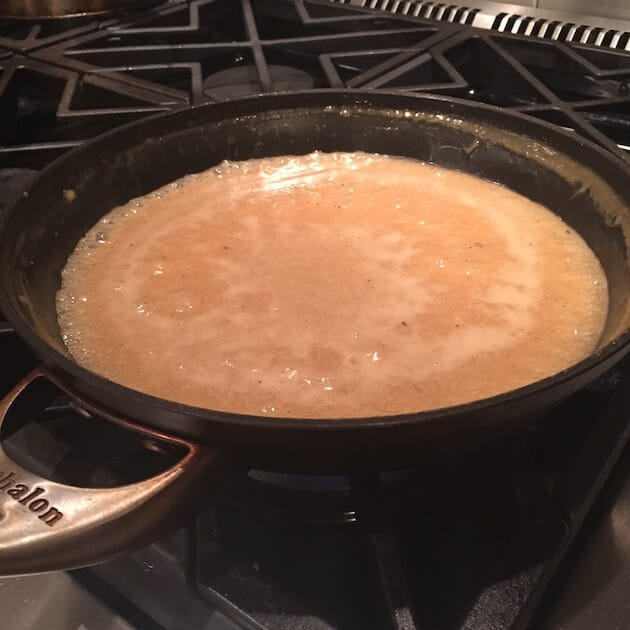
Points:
(330, 285)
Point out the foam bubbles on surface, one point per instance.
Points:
(330, 285)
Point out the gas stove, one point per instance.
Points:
(489, 538)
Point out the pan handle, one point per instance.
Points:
(48, 526)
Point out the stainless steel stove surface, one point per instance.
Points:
(516, 534)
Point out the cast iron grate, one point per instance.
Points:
(46, 110)
(97, 75)
(24, 35)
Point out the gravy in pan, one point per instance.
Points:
(330, 285)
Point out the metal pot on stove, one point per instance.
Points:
(49, 526)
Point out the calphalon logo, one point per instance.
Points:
(30, 498)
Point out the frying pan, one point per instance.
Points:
(586, 186)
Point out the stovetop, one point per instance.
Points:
(62, 82)
(480, 539)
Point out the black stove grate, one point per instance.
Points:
(98, 75)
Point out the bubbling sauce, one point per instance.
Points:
(330, 285)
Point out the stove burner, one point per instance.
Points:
(322, 484)
(245, 81)
(308, 483)
(322, 499)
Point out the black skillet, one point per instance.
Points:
(586, 186)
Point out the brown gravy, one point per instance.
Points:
(330, 285)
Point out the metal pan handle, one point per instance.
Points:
(48, 526)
